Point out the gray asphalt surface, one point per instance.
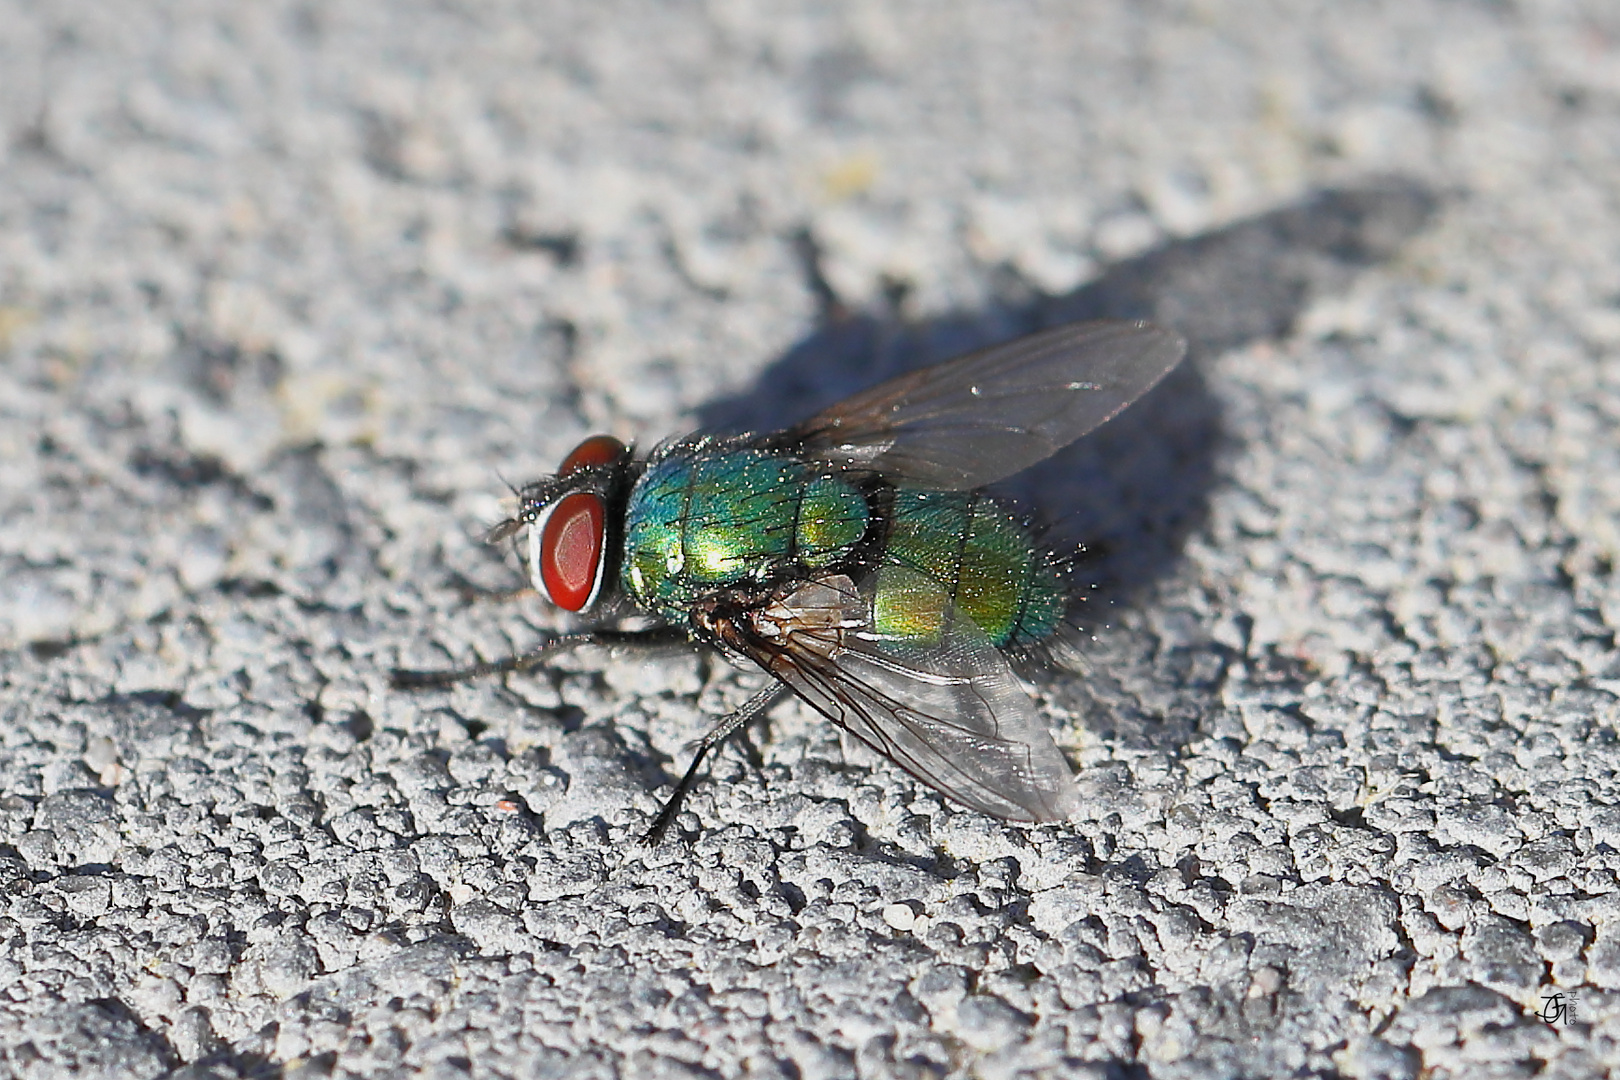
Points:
(288, 291)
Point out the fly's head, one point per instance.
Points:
(570, 521)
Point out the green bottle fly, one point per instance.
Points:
(854, 557)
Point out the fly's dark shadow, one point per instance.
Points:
(1131, 491)
(1241, 283)
(1126, 497)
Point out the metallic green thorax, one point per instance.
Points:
(702, 520)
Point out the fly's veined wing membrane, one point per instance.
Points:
(982, 417)
(950, 712)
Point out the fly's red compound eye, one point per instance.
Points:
(596, 450)
(573, 550)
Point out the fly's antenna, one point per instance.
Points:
(507, 526)
(503, 530)
(530, 499)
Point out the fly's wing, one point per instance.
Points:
(987, 415)
(950, 713)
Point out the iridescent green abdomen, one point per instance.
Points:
(959, 547)
(699, 521)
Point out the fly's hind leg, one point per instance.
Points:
(728, 726)
(403, 678)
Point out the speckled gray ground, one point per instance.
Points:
(287, 289)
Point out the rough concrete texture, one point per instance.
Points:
(288, 289)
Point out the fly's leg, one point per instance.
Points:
(728, 726)
(473, 593)
(663, 635)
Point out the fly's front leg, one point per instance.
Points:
(473, 593)
(728, 726)
(402, 678)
